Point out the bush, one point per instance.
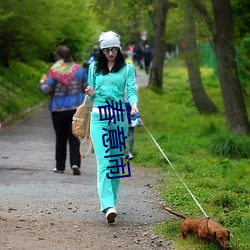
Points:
(19, 88)
(231, 146)
(223, 200)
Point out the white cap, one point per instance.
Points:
(109, 39)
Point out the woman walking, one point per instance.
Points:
(108, 78)
(65, 84)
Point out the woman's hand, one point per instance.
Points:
(90, 91)
(134, 109)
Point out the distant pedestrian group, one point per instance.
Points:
(141, 55)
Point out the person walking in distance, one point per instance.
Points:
(65, 83)
(147, 54)
(108, 78)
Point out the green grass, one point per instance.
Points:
(214, 164)
(19, 88)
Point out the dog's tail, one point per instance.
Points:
(175, 213)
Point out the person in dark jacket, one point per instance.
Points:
(147, 54)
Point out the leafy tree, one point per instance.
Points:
(21, 34)
(156, 72)
(28, 33)
(78, 29)
(221, 28)
(241, 18)
(175, 24)
(201, 99)
(242, 33)
(126, 17)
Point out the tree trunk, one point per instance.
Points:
(223, 38)
(201, 99)
(159, 47)
(235, 109)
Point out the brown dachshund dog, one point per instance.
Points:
(204, 229)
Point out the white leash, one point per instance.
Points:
(174, 170)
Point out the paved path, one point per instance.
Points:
(141, 78)
(30, 190)
(26, 163)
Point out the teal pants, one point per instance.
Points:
(107, 188)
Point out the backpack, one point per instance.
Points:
(81, 126)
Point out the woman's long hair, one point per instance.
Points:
(102, 66)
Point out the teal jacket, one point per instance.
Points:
(113, 85)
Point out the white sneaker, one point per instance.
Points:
(111, 214)
(76, 170)
(58, 171)
(130, 156)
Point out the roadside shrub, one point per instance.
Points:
(231, 146)
(19, 88)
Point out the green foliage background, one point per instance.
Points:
(29, 32)
(19, 88)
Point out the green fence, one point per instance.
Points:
(208, 58)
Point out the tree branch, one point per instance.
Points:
(202, 9)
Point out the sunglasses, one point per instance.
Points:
(106, 51)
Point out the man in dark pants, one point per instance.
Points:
(147, 54)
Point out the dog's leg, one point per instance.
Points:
(184, 235)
